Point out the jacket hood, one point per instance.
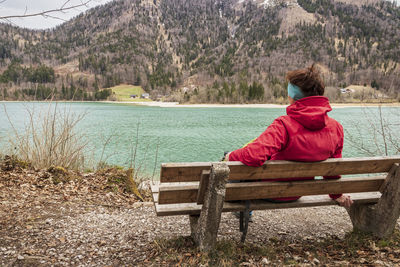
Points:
(311, 112)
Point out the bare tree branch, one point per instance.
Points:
(47, 13)
(66, 3)
(379, 130)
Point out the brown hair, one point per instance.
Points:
(308, 80)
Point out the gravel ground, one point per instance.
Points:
(78, 234)
(79, 223)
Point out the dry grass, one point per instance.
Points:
(354, 249)
(50, 138)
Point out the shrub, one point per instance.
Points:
(50, 138)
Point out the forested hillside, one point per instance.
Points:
(227, 51)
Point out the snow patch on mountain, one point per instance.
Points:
(271, 3)
(268, 3)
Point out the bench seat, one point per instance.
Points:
(306, 201)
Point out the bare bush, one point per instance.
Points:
(50, 137)
(378, 133)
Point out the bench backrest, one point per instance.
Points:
(191, 172)
(186, 182)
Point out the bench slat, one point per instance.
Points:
(306, 201)
(154, 186)
(186, 172)
(155, 197)
(183, 193)
(187, 192)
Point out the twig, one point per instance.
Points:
(155, 161)
(142, 163)
(381, 121)
(133, 159)
(105, 144)
(62, 9)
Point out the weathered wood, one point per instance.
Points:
(155, 197)
(262, 190)
(186, 172)
(306, 201)
(205, 178)
(187, 192)
(380, 219)
(178, 192)
(154, 186)
(208, 223)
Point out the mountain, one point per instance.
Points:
(205, 50)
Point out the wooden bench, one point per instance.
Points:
(201, 191)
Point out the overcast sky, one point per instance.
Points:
(19, 7)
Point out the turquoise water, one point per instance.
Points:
(182, 134)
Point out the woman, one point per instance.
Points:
(306, 133)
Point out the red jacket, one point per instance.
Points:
(306, 133)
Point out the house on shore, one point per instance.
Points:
(145, 96)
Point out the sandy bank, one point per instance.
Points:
(177, 105)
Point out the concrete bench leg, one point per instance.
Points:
(205, 227)
(194, 222)
(380, 219)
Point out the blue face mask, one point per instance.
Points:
(294, 92)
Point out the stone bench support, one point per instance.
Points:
(380, 219)
(204, 228)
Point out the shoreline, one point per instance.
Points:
(177, 105)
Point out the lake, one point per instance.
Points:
(181, 134)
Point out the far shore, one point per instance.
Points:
(178, 105)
